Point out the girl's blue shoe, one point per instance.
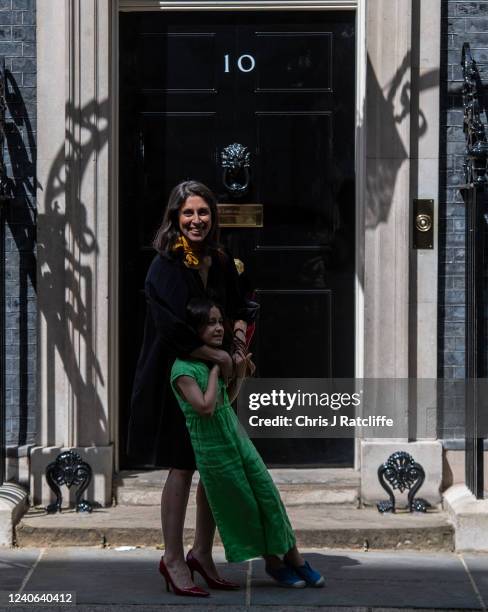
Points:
(307, 573)
(286, 576)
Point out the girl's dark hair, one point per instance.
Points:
(198, 312)
(169, 229)
(198, 315)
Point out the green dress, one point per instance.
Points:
(246, 505)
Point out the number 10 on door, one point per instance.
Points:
(245, 63)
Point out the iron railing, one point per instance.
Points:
(5, 196)
(475, 171)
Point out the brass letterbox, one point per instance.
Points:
(240, 215)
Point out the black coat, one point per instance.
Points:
(157, 431)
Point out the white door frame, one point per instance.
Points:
(360, 145)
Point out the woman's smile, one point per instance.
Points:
(195, 219)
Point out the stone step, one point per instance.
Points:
(296, 486)
(316, 525)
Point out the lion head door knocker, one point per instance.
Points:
(235, 162)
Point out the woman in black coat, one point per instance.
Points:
(189, 264)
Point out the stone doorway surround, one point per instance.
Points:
(398, 55)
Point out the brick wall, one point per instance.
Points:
(18, 46)
(461, 22)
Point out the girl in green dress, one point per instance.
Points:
(245, 502)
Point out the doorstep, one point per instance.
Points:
(316, 525)
(336, 486)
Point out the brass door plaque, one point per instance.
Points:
(240, 215)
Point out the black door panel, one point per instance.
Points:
(309, 335)
(294, 61)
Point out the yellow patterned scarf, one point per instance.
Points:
(191, 257)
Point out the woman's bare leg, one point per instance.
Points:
(174, 501)
(204, 533)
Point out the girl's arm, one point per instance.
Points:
(221, 357)
(234, 388)
(235, 384)
(203, 403)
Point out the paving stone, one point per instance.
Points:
(14, 566)
(119, 577)
(478, 567)
(378, 580)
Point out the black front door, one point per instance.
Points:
(281, 85)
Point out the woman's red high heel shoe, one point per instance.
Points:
(193, 591)
(214, 583)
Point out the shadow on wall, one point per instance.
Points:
(386, 112)
(21, 218)
(385, 150)
(66, 272)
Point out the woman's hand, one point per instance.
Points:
(239, 364)
(251, 366)
(243, 363)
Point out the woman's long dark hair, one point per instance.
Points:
(169, 229)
